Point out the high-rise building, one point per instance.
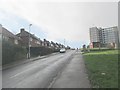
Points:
(94, 37)
(110, 35)
(104, 37)
(94, 34)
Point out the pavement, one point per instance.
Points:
(62, 70)
(74, 75)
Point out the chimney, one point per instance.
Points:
(22, 29)
(44, 40)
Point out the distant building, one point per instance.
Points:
(56, 45)
(47, 43)
(94, 37)
(68, 47)
(104, 37)
(6, 35)
(61, 46)
(52, 44)
(94, 34)
(110, 36)
(34, 41)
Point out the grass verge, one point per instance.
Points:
(102, 68)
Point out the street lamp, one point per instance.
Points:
(64, 42)
(29, 42)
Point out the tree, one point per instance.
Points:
(88, 46)
(84, 47)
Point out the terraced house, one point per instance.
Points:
(34, 41)
(6, 35)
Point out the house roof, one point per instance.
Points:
(7, 33)
(46, 41)
(52, 43)
(31, 35)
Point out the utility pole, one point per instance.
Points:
(29, 42)
(64, 42)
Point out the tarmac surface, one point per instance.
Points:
(61, 70)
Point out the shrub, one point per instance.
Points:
(36, 51)
(12, 52)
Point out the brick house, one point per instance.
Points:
(34, 41)
(53, 45)
(58, 45)
(6, 35)
(42, 43)
(46, 43)
(61, 46)
(68, 47)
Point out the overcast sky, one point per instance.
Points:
(56, 21)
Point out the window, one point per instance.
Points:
(31, 39)
(37, 42)
(5, 38)
(16, 41)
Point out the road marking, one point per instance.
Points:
(61, 56)
(21, 72)
(31, 68)
(18, 74)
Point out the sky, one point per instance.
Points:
(56, 20)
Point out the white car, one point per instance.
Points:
(62, 50)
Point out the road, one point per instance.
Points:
(63, 70)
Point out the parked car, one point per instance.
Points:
(62, 50)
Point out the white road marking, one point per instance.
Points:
(27, 70)
(21, 72)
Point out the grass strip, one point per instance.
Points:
(102, 68)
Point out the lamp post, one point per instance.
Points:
(29, 42)
(64, 42)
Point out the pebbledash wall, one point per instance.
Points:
(0, 56)
(0, 46)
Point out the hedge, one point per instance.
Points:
(12, 52)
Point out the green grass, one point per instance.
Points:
(99, 63)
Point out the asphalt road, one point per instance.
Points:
(58, 71)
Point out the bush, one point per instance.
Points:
(12, 52)
(100, 49)
(36, 51)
